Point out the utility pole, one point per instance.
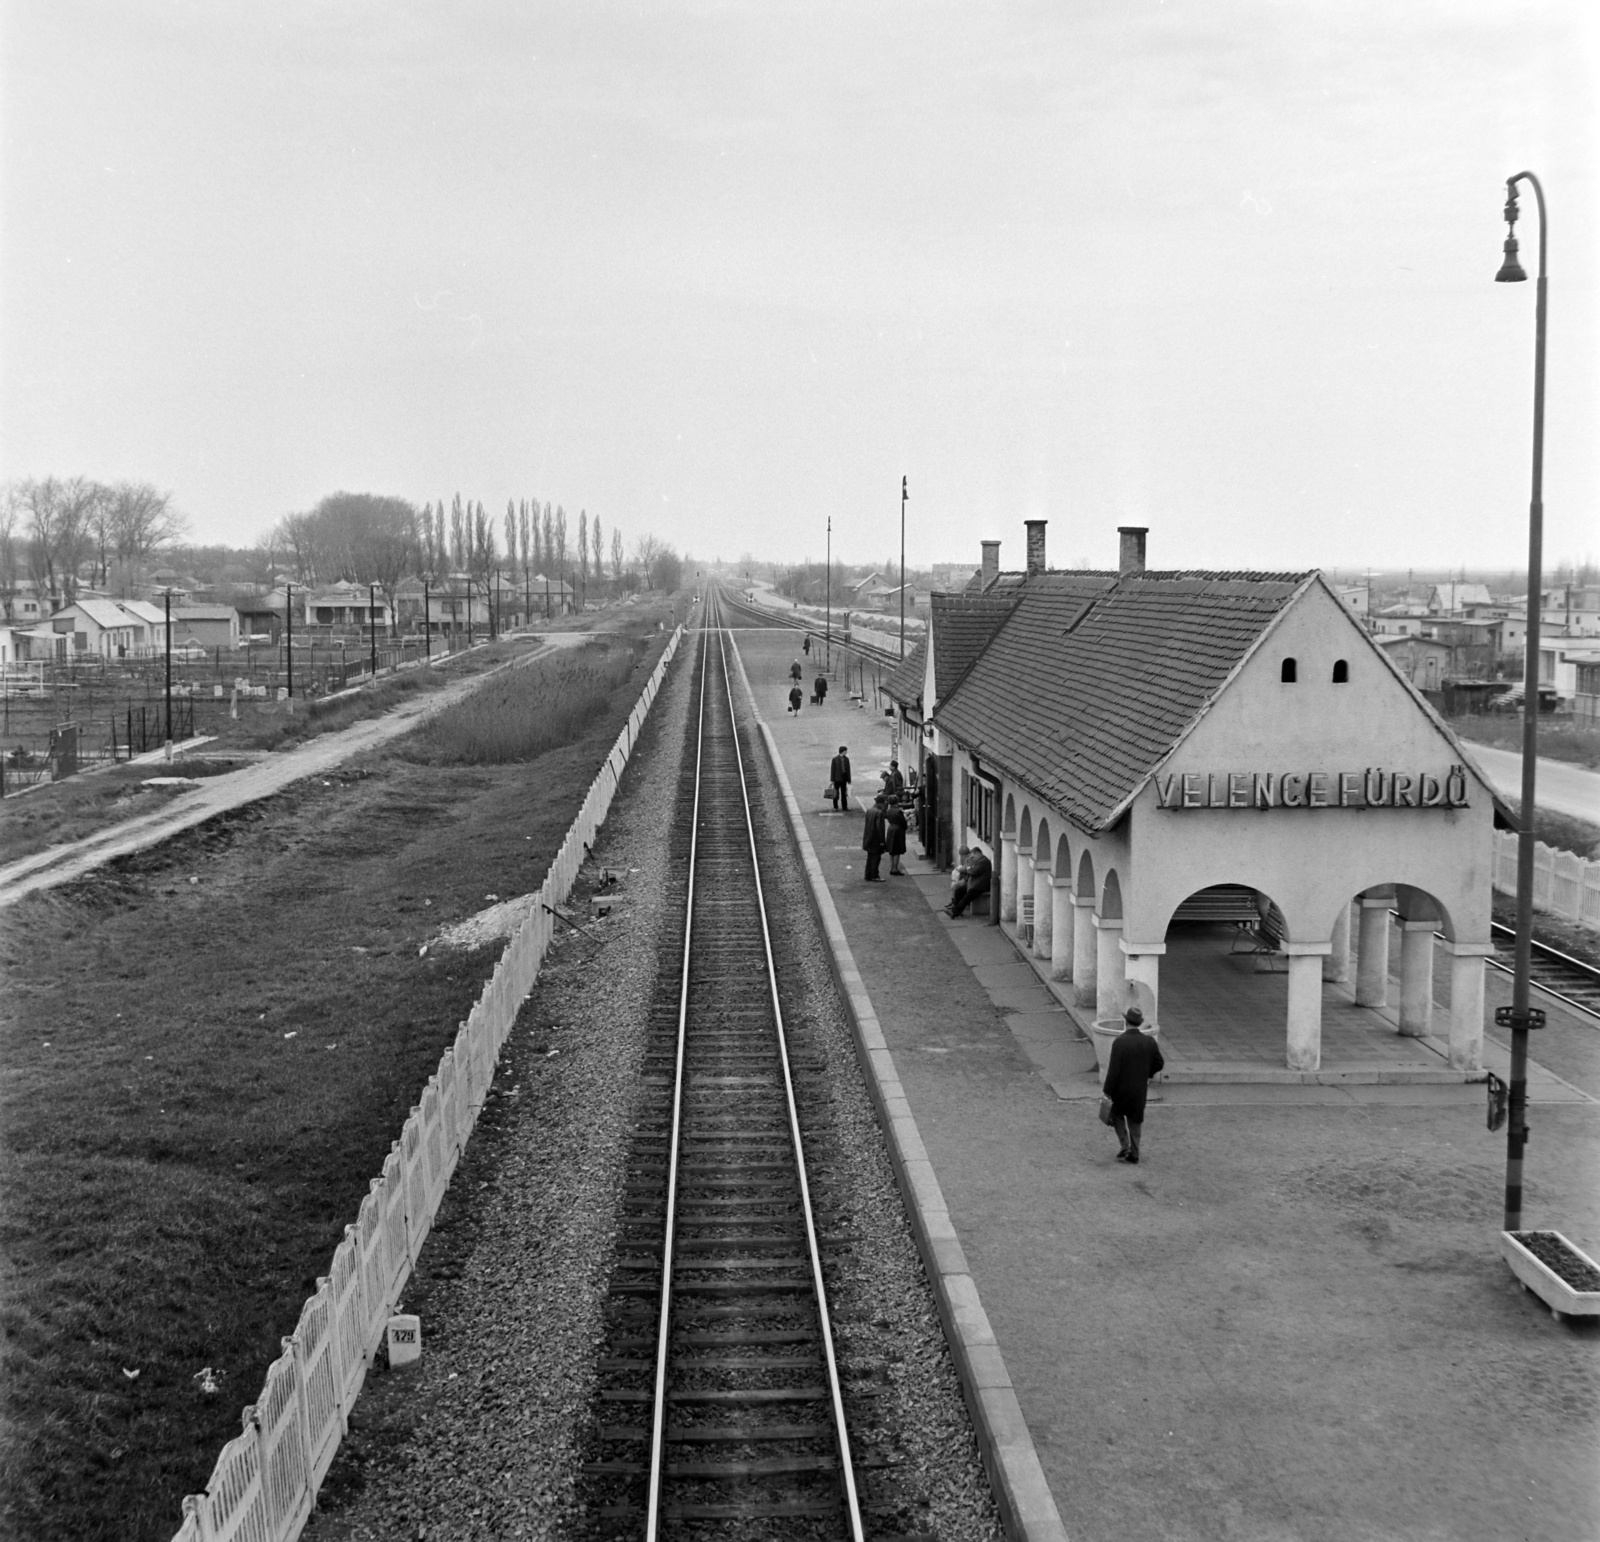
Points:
(904, 494)
(168, 598)
(827, 590)
(469, 612)
(288, 638)
(372, 627)
(427, 623)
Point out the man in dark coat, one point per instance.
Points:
(976, 882)
(1135, 1058)
(894, 818)
(873, 836)
(821, 688)
(839, 780)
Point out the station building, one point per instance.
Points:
(1140, 752)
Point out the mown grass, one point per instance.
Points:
(201, 1078)
(1558, 740)
(519, 716)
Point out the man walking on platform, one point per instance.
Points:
(873, 836)
(839, 781)
(1135, 1058)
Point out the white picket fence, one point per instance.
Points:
(1564, 884)
(265, 1481)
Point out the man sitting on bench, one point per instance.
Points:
(975, 883)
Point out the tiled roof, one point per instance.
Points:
(1083, 701)
(904, 682)
(961, 626)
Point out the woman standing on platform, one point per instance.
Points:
(894, 818)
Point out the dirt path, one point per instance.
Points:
(217, 795)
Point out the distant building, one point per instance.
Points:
(1559, 661)
(212, 626)
(1586, 697)
(1424, 662)
(345, 604)
(1453, 599)
(1357, 596)
(100, 627)
(1575, 608)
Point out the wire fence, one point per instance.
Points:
(264, 1484)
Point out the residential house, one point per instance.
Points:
(1421, 660)
(1453, 599)
(99, 627)
(1586, 697)
(1559, 661)
(347, 604)
(1357, 596)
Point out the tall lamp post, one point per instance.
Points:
(903, 496)
(827, 593)
(1519, 1017)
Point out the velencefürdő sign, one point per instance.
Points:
(1373, 787)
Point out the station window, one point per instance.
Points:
(1341, 672)
(980, 809)
(1287, 673)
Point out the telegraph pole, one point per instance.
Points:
(827, 589)
(372, 627)
(168, 598)
(427, 623)
(288, 638)
(903, 496)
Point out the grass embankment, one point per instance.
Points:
(1557, 740)
(59, 812)
(209, 1049)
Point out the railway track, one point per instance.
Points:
(723, 1400)
(1570, 980)
(761, 617)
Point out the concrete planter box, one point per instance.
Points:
(1536, 1275)
(1103, 1030)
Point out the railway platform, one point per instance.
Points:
(1292, 1319)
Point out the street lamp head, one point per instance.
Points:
(1511, 270)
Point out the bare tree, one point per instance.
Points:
(511, 531)
(549, 539)
(616, 554)
(459, 535)
(56, 512)
(142, 520)
(9, 519)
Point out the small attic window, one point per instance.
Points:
(1341, 671)
(1287, 673)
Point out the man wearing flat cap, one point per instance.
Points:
(1135, 1058)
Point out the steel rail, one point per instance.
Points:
(776, 621)
(658, 1420)
(846, 1466)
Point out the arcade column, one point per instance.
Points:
(1372, 951)
(1305, 1004)
(1085, 951)
(1063, 934)
(1466, 1003)
(1416, 976)
(1142, 966)
(1336, 966)
(1110, 980)
(1008, 876)
(1044, 913)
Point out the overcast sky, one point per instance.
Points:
(1221, 267)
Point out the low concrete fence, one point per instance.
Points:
(265, 1482)
(1564, 884)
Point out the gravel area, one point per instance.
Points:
(479, 1440)
(486, 1437)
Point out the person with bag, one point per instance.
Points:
(1135, 1058)
(839, 780)
(872, 840)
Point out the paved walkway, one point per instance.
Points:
(218, 794)
(1291, 1321)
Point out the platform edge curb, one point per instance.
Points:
(1028, 1509)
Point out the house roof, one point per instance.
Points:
(961, 626)
(904, 682)
(143, 610)
(204, 613)
(104, 613)
(1083, 699)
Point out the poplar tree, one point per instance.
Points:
(561, 541)
(616, 554)
(438, 537)
(523, 513)
(599, 560)
(459, 535)
(583, 550)
(511, 531)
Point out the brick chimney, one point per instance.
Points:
(1035, 528)
(1130, 558)
(991, 563)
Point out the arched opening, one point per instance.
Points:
(1008, 823)
(1022, 899)
(1044, 894)
(1341, 671)
(1287, 672)
(1085, 949)
(1007, 862)
(1111, 898)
